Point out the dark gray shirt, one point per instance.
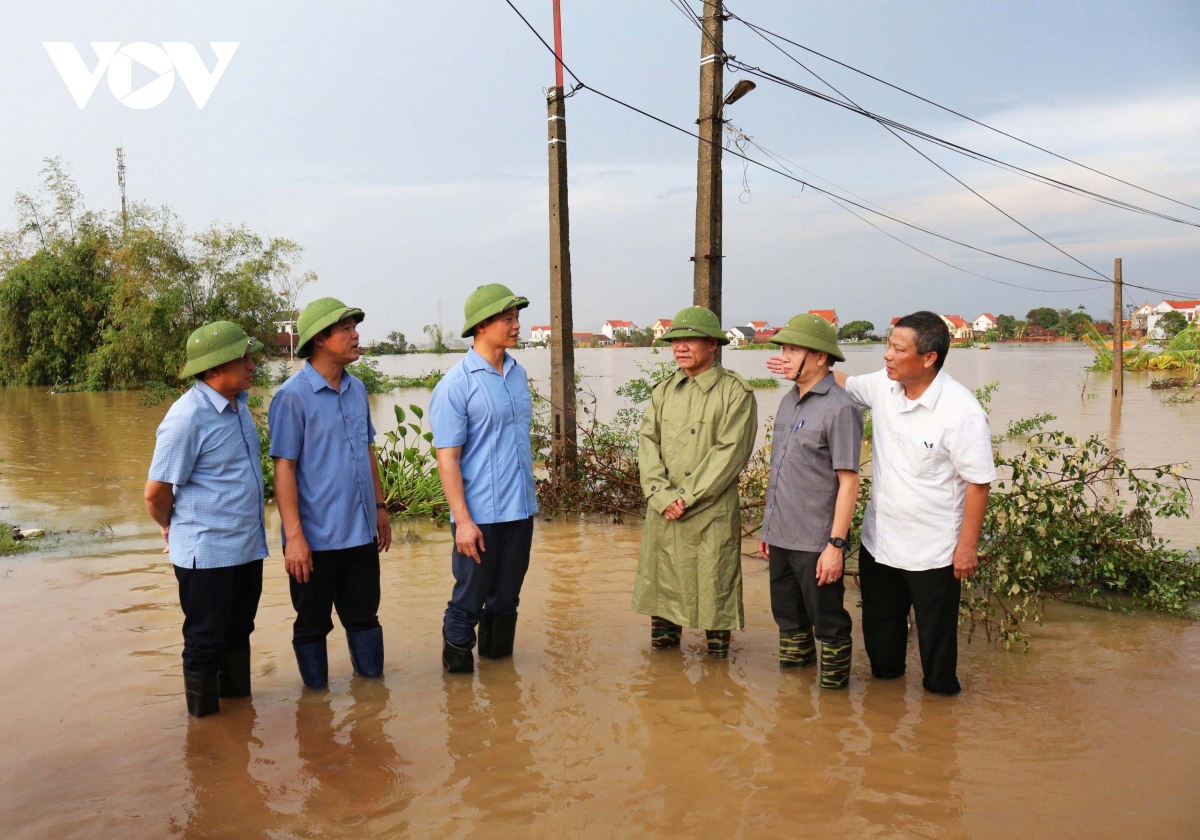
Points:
(813, 438)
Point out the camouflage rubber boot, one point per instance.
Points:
(835, 664)
(797, 649)
(718, 642)
(663, 633)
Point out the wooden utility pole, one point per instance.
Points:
(706, 278)
(562, 321)
(1118, 366)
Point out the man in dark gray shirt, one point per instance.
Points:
(815, 449)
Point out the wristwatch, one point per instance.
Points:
(837, 542)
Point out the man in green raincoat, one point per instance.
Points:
(696, 438)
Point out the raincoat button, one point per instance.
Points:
(693, 431)
(653, 489)
(687, 473)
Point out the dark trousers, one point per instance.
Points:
(346, 579)
(494, 583)
(887, 595)
(219, 606)
(799, 604)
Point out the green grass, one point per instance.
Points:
(8, 543)
(427, 381)
(762, 382)
(756, 347)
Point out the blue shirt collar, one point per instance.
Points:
(214, 396)
(317, 381)
(475, 362)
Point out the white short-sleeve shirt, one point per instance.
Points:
(924, 453)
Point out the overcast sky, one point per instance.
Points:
(404, 145)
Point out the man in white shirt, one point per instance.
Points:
(932, 467)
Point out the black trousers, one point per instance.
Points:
(887, 595)
(346, 579)
(494, 583)
(799, 604)
(219, 606)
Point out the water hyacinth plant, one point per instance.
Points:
(408, 469)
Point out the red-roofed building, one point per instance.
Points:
(539, 335)
(612, 329)
(764, 336)
(660, 328)
(985, 323)
(829, 315)
(582, 339)
(960, 330)
(1189, 309)
(759, 325)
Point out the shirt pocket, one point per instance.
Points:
(922, 456)
(356, 414)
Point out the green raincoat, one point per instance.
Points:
(696, 438)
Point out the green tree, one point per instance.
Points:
(437, 340)
(1172, 323)
(856, 330)
(1044, 316)
(1076, 324)
(1006, 325)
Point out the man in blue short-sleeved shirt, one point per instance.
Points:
(481, 413)
(205, 491)
(330, 501)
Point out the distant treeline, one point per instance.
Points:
(92, 300)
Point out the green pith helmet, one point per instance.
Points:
(813, 332)
(215, 344)
(487, 301)
(695, 321)
(322, 313)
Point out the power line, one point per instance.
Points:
(763, 30)
(943, 169)
(582, 86)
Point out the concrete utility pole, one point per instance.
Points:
(706, 278)
(562, 327)
(121, 183)
(1118, 367)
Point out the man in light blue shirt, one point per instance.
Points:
(330, 501)
(205, 491)
(481, 413)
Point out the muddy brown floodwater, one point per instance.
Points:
(586, 732)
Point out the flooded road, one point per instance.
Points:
(586, 732)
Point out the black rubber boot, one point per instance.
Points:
(502, 631)
(457, 660)
(486, 622)
(233, 673)
(200, 687)
(313, 660)
(663, 633)
(366, 652)
(797, 649)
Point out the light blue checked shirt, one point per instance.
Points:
(210, 452)
(327, 434)
(489, 415)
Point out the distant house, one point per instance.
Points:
(603, 341)
(582, 339)
(829, 315)
(285, 334)
(1104, 328)
(758, 325)
(1137, 321)
(539, 335)
(740, 335)
(1189, 309)
(764, 335)
(985, 323)
(660, 328)
(960, 330)
(612, 329)
(1035, 333)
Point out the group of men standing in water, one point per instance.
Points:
(932, 467)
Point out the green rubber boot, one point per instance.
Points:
(663, 633)
(718, 642)
(835, 664)
(797, 649)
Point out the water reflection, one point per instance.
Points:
(227, 800)
(350, 769)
